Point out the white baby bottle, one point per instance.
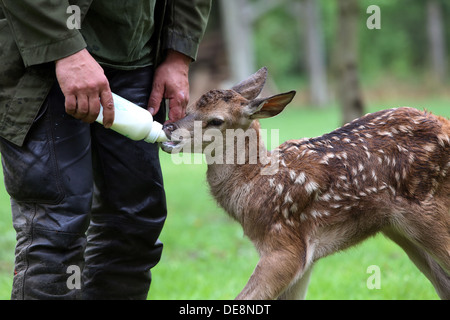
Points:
(134, 122)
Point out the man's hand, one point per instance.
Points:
(85, 86)
(171, 82)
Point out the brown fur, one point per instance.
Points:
(385, 172)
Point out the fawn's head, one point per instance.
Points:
(219, 110)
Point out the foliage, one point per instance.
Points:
(277, 42)
(400, 48)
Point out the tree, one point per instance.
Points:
(436, 39)
(346, 61)
(237, 27)
(238, 19)
(315, 53)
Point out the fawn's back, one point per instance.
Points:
(362, 176)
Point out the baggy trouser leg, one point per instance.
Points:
(129, 206)
(49, 180)
(48, 263)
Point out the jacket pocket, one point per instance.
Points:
(30, 172)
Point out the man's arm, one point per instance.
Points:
(184, 28)
(171, 82)
(41, 34)
(40, 30)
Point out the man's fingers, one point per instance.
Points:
(155, 99)
(71, 104)
(177, 106)
(107, 102)
(84, 84)
(82, 107)
(94, 108)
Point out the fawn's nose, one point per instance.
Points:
(169, 129)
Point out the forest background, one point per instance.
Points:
(344, 58)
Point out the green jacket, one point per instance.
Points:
(35, 33)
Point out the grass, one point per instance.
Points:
(206, 255)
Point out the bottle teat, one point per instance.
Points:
(156, 134)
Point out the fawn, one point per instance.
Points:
(384, 172)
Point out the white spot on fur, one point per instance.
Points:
(287, 198)
(286, 213)
(442, 138)
(429, 147)
(325, 197)
(374, 175)
(402, 149)
(292, 174)
(279, 189)
(360, 167)
(318, 214)
(385, 133)
(301, 178)
(303, 216)
(277, 227)
(403, 128)
(272, 182)
(311, 186)
(315, 214)
(294, 208)
(380, 161)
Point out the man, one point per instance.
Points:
(68, 176)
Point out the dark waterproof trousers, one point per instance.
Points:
(88, 204)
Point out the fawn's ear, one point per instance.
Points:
(251, 87)
(269, 107)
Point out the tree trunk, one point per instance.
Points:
(346, 61)
(238, 37)
(315, 55)
(436, 39)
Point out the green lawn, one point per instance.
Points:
(206, 255)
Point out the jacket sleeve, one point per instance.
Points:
(185, 25)
(40, 30)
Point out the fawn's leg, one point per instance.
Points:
(275, 271)
(297, 290)
(424, 262)
(430, 229)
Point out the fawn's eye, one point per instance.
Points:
(215, 122)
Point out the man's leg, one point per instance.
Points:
(49, 180)
(129, 206)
